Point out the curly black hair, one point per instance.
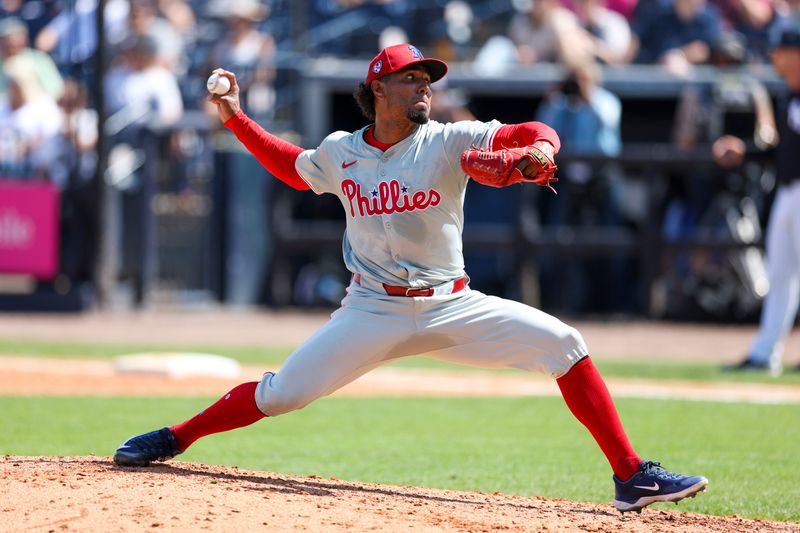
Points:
(365, 100)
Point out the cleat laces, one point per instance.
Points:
(654, 468)
(155, 444)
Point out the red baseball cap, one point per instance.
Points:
(397, 57)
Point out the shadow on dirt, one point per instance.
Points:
(328, 487)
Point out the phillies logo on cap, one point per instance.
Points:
(378, 66)
(415, 52)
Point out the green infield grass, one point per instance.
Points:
(527, 446)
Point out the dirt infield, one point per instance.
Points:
(56, 494)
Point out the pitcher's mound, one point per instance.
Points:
(92, 494)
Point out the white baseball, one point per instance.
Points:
(217, 84)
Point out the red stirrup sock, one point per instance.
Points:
(589, 400)
(234, 410)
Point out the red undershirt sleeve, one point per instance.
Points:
(275, 154)
(525, 134)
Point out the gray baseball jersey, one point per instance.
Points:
(404, 211)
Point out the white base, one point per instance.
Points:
(178, 365)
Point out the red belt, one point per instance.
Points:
(392, 290)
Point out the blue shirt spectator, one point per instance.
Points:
(687, 27)
(584, 114)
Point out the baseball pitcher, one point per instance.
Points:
(401, 181)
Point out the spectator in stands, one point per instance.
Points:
(29, 123)
(248, 51)
(139, 90)
(788, 9)
(179, 14)
(584, 112)
(676, 35)
(70, 37)
(783, 231)
(750, 21)
(14, 47)
(10, 7)
(144, 20)
(77, 140)
(428, 27)
(587, 118)
(35, 14)
(354, 27)
(496, 57)
(548, 33)
(626, 8)
(608, 31)
(735, 103)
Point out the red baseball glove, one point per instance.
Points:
(508, 166)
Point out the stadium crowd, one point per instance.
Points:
(159, 52)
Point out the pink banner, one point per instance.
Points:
(29, 228)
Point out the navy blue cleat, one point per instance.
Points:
(654, 484)
(158, 445)
(772, 367)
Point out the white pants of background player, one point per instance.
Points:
(371, 329)
(783, 270)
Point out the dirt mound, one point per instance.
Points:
(92, 494)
